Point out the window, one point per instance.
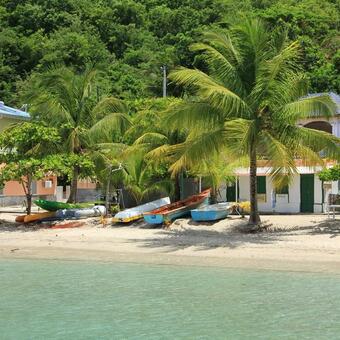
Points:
(261, 185)
(283, 191)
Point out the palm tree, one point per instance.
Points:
(141, 179)
(67, 100)
(248, 104)
(149, 135)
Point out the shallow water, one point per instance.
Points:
(79, 300)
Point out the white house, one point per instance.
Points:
(306, 193)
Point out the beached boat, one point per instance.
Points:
(97, 210)
(54, 205)
(177, 209)
(136, 213)
(212, 212)
(38, 217)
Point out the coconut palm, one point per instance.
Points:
(248, 102)
(151, 137)
(67, 100)
(141, 178)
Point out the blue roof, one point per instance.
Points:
(7, 111)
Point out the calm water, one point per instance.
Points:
(77, 300)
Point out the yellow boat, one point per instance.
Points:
(38, 216)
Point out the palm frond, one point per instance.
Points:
(312, 106)
(104, 129)
(210, 90)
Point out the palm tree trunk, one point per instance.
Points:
(177, 192)
(74, 186)
(28, 192)
(254, 217)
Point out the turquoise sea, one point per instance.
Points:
(91, 300)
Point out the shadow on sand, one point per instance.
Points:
(231, 235)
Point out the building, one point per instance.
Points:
(9, 116)
(306, 193)
(13, 193)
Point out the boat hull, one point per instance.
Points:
(98, 210)
(54, 205)
(161, 217)
(38, 217)
(136, 213)
(211, 213)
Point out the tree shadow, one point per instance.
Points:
(233, 235)
(230, 236)
(328, 226)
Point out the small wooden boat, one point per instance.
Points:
(54, 205)
(38, 216)
(212, 212)
(136, 213)
(178, 209)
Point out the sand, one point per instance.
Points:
(291, 242)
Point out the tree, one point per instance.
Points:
(69, 101)
(248, 103)
(330, 174)
(29, 152)
(142, 178)
(150, 135)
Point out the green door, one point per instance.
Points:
(231, 192)
(307, 193)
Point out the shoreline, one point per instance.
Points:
(76, 255)
(301, 243)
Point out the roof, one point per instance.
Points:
(6, 111)
(335, 98)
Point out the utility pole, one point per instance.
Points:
(163, 68)
(107, 191)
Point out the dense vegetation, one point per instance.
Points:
(132, 39)
(92, 71)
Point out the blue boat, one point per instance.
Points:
(212, 212)
(169, 212)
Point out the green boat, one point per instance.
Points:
(54, 205)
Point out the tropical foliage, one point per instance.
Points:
(30, 151)
(132, 39)
(248, 104)
(240, 76)
(68, 101)
(330, 174)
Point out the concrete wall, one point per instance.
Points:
(317, 195)
(88, 195)
(6, 201)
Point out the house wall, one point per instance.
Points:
(86, 184)
(284, 203)
(13, 188)
(317, 195)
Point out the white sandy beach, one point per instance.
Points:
(292, 242)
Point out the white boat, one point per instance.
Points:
(136, 213)
(97, 210)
